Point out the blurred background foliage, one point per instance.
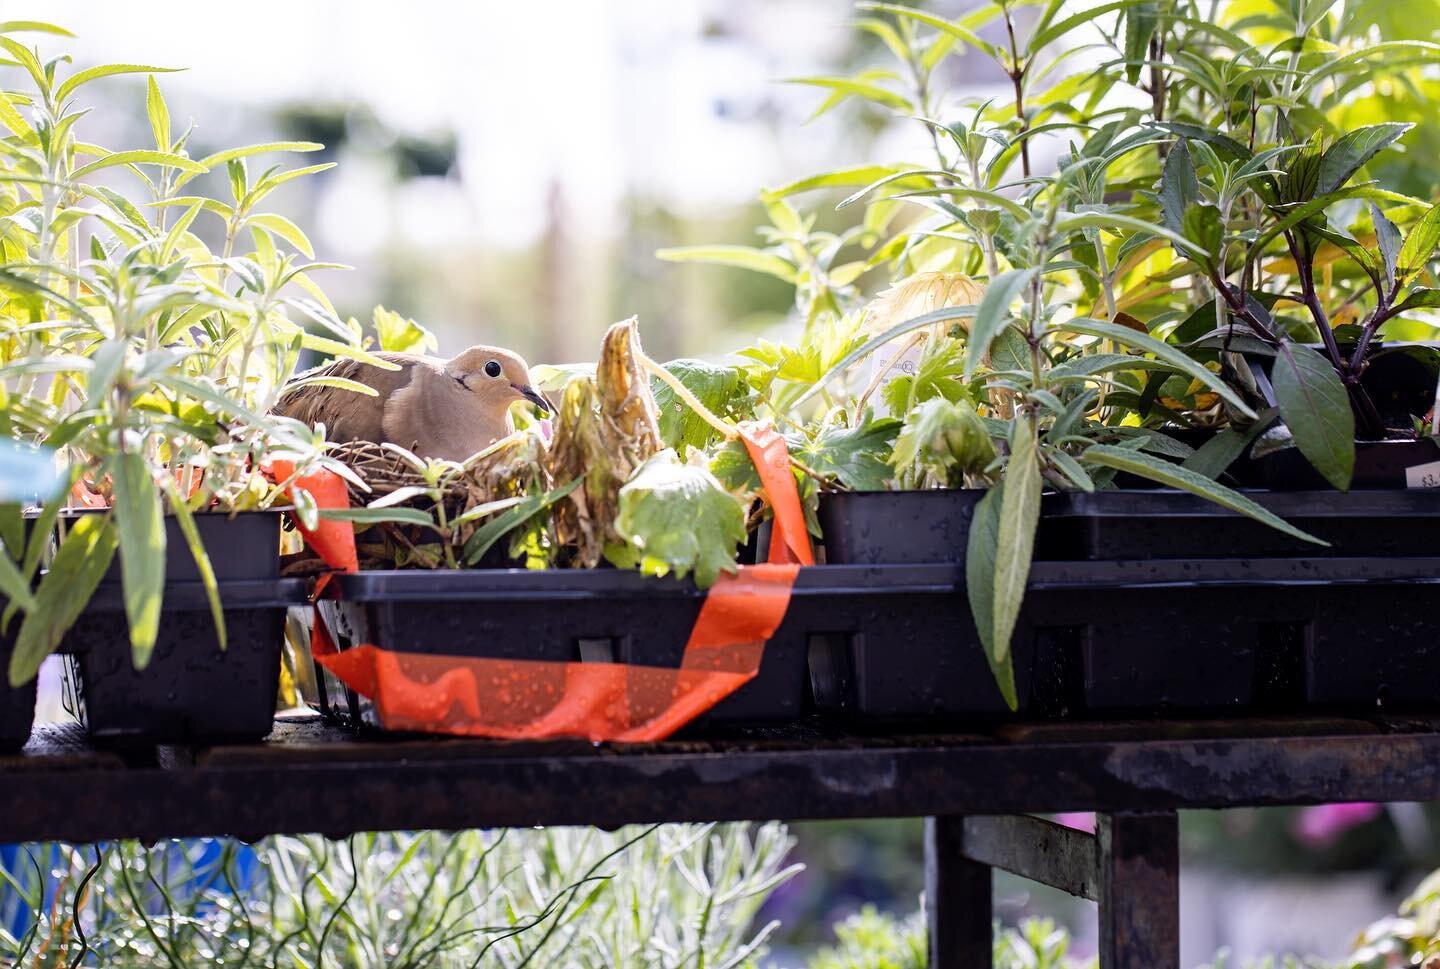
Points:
(507, 178)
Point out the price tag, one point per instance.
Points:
(1423, 475)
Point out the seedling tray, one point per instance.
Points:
(242, 546)
(587, 616)
(1141, 639)
(1165, 524)
(191, 691)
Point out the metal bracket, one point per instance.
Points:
(1130, 866)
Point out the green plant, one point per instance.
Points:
(143, 359)
(872, 940)
(575, 897)
(1207, 181)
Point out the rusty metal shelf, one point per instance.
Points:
(310, 777)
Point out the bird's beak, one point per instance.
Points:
(534, 396)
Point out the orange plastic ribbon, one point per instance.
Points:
(333, 541)
(534, 699)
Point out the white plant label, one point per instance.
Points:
(1423, 475)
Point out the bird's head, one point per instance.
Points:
(495, 375)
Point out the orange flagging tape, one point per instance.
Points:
(535, 699)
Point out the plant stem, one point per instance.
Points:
(1017, 78)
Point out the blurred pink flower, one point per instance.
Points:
(1325, 823)
(1079, 820)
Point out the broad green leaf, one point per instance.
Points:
(980, 588)
(1174, 356)
(721, 389)
(854, 456)
(678, 518)
(1419, 244)
(1420, 299)
(1173, 475)
(1179, 187)
(993, 313)
(399, 334)
(140, 156)
(1015, 541)
(63, 593)
(1352, 150)
(1202, 225)
(186, 521)
(140, 525)
(1314, 405)
(738, 257)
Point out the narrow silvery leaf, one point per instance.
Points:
(1015, 542)
(980, 586)
(140, 524)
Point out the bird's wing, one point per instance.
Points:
(347, 414)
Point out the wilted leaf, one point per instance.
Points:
(677, 518)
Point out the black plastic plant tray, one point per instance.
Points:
(1165, 524)
(897, 527)
(1141, 639)
(601, 615)
(191, 691)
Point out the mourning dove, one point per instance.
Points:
(446, 409)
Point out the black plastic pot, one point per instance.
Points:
(897, 527)
(17, 704)
(1165, 524)
(1378, 465)
(191, 691)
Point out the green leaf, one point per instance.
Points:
(677, 518)
(1173, 475)
(77, 569)
(1015, 541)
(140, 523)
(846, 178)
(286, 230)
(851, 87)
(231, 154)
(1140, 22)
(854, 456)
(1315, 407)
(1163, 351)
(879, 340)
(993, 313)
(186, 521)
(140, 156)
(501, 525)
(980, 587)
(943, 440)
(738, 257)
(1202, 225)
(1388, 239)
(159, 113)
(13, 584)
(1419, 244)
(1179, 187)
(72, 82)
(380, 516)
(1420, 299)
(1352, 150)
(1216, 455)
(399, 334)
(721, 389)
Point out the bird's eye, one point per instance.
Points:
(492, 368)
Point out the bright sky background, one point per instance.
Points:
(599, 94)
